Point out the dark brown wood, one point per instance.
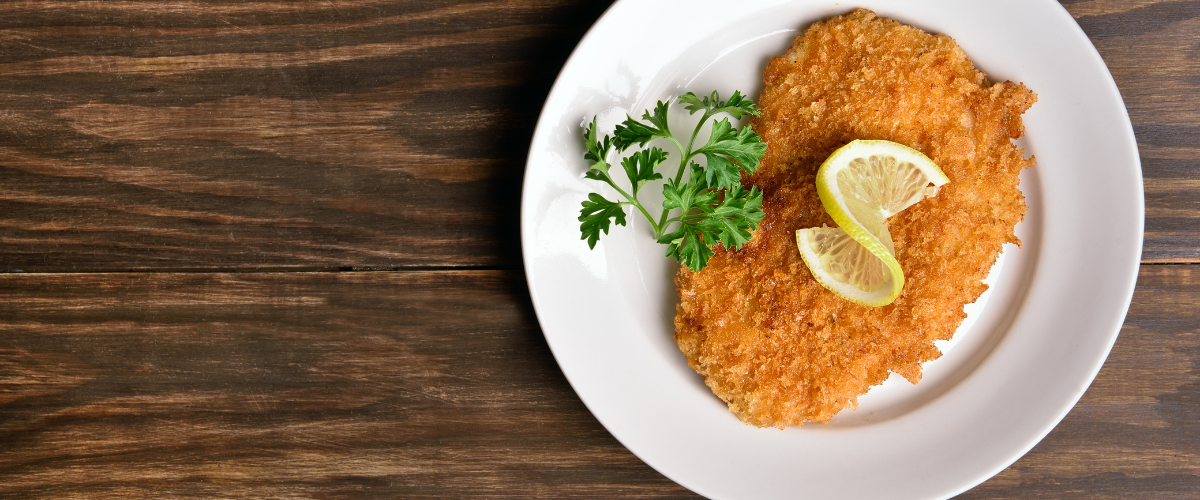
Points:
(198, 142)
(277, 134)
(293, 385)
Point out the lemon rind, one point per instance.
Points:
(881, 297)
(835, 206)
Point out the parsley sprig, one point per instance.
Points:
(704, 205)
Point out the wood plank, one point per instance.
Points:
(271, 135)
(293, 385)
(1150, 49)
(438, 384)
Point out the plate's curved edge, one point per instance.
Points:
(543, 121)
(1130, 274)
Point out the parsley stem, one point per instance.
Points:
(707, 114)
(657, 228)
(609, 180)
(688, 153)
(632, 200)
(685, 154)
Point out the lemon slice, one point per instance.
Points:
(861, 185)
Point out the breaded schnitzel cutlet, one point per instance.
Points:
(770, 341)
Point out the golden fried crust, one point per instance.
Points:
(768, 339)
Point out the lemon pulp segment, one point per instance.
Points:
(861, 185)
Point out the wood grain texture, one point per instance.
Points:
(220, 135)
(438, 384)
(292, 385)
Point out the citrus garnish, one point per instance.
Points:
(861, 185)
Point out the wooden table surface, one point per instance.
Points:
(270, 250)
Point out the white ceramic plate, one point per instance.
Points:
(1030, 347)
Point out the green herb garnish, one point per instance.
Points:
(705, 205)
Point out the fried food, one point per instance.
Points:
(769, 340)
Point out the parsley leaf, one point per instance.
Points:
(640, 167)
(632, 132)
(737, 106)
(597, 153)
(596, 216)
(730, 152)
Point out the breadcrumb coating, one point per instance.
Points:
(768, 339)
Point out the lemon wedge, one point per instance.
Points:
(861, 185)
